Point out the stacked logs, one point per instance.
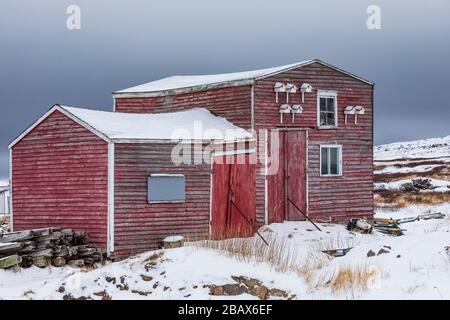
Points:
(48, 247)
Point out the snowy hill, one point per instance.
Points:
(399, 166)
(425, 149)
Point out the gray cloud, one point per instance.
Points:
(123, 43)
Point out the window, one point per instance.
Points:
(327, 109)
(331, 160)
(166, 188)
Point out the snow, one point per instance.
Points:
(179, 82)
(192, 124)
(416, 267)
(173, 239)
(441, 185)
(427, 148)
(400, 169)
(4, 183)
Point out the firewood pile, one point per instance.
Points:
(48, 247)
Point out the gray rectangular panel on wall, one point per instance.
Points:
(166, 188)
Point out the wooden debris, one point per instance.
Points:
(337, 252)
(49, 246)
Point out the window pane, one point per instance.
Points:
(330, 119)
(324, 161)
(334, 161)
(166, 188)
(323, 118)
(323, 104)
(330, 104)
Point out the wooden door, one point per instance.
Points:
(233, 198)
(288, 184)
(295, 176)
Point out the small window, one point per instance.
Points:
(166, 188)
(327, 109)
(331, 160)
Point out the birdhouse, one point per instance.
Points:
(296, 108)
(358, 110)
(290, 88)
(305, 88)
(348, 110)
(284, 108)
(278, 87)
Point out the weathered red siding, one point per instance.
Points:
(334, 198)
(60, 178)
(139, 225)
(233, 103)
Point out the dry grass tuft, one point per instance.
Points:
(279, 253)
(397, 199)
(354, 278)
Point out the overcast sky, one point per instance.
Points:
(125, 43)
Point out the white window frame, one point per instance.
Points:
(166, 175)
(327, 94)
(336, 146)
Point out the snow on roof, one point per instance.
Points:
(195, 81)
(192, 124)
(179, 82)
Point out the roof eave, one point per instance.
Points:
(59, 108)
(147, 94)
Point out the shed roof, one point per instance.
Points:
(194, 82)
(192, 124)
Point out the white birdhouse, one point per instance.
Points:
(284, 108)
(290, 88)
(305, 88)
(296, 108)
(348, 110)
(358, 110)
(278, 87)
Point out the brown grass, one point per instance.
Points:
(397, 199)
(353, 278)
(279, 253)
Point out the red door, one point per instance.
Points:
(287, 187)
(233, 198)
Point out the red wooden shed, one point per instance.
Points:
(131, 180)
(300, 145)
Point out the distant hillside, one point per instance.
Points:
(398, 166)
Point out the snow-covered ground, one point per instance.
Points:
(438, 185)
(415, 266)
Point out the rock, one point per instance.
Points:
(146, 278)
(370, 253)
(61, 289)
(278, 293)
(227, 290)
(382, 251)
(248, 282)
(141, 293)
(262, 292)
(111, 279)
(399, 256)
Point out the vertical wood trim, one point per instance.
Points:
(252, 111)
(11, 215)
(110, 223)
(266, 194)
(307, 170)
(211, 194)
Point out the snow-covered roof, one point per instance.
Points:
(194, 82)
(191, 124)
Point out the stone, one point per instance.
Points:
(382, 251)
(278, 293)
(370, 253)
(146, 278)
